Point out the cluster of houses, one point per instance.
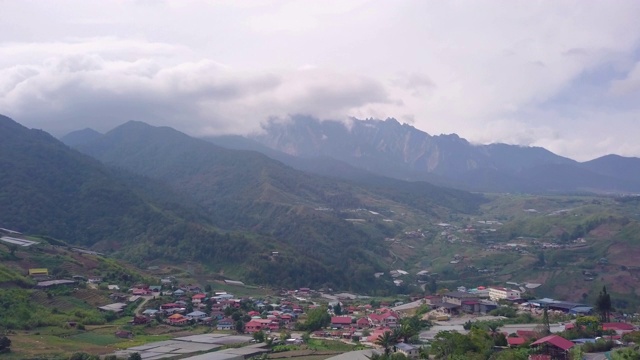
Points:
(367, 325)
(480, 300)
(211, 309)
(556, 347)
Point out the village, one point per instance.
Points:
(358, 320)
(213, 316)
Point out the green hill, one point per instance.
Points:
(190, 200)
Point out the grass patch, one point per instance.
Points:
(97, 339)
(143, 339)
(318, 344)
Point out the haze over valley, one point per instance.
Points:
(337, 180)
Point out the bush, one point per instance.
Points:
(598, 346)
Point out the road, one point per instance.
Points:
(596, 356)
(139, 308)
(457, 325)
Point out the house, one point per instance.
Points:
(304, 291)
(362, 323)
(527, 335)
(262, 324)
(168, 306)
(226, 324)
(150, 312)
(155, 288)
(39, 272)
(388, 319)
(286, 319)
(619, 327)
(376, 334)
(139, 320)
(194, 289)
(408, 350)
(140, 292)
(198, 298)
(254, 326)
(216, 314)
(177, 319)
(456, 297)
(116, 307)
(554, 346)
(515, 341)
(501, 293)
(196, 315)
(432, 299)
(340, 322)
(178, 292)
(224, 296)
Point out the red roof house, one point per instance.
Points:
(197, 298)
(340, 321)
(555, 346)
(362, 323)
(254, 326)
(515, 341)
(386, 319)
(177, 319)
(619, 327)
(526, 334)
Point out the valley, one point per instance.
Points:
(144, 216)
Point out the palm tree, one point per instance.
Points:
(423, 352)
(385, 340)
(493, 329)
(405, 332)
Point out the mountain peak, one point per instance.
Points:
(80, 137)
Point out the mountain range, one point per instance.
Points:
(153, 195)
(391, 149)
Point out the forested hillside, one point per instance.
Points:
(49, 189)
(166, 197)
(247, 191)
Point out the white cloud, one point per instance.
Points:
(66, 92)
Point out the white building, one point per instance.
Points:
(500, 293)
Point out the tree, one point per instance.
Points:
(512, 354)
(545, 321)
(258, 336)
(12, 249)
(626, 354)
(240, 327)
(306, 337)
(386, 340)
(433, 286)
(337, 309)
(135, 356)
(236, 316)
(5, 344)
(446, 343)
(603, 305)
(317, 319)
(84, 356)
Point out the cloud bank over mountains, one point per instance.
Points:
(564, 75)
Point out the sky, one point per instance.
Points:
(564, 75)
